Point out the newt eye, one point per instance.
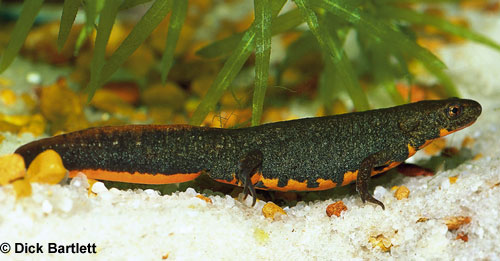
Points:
(454, 110)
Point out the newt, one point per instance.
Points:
(307, 154)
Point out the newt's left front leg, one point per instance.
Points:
(249, 165)
(364, 174)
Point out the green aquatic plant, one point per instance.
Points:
(383, 29)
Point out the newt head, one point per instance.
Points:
(458, 114)
(427, 120)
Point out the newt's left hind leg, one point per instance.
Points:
(248, 166)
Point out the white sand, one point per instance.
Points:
(143, 225)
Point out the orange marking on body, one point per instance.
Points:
(294, 185)
(136, 177)
(349, 177)
(291, 185)
(325, 184)
(352, 176)
(390, 166)
(270, 183)
(234, 181)
(256, 177)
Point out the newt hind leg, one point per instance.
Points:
(248, 166)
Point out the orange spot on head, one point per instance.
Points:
(433, 147)
(136, 177)
(444, 132)
(427, 142)
(411, 150)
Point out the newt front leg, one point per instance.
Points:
(364, 174)
(249, 165)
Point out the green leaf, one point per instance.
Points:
(263, 19)
(70, 8)
(80, 40)
(304, 45)
(90, 7)
(287, 21)
(23, 25)
(139, 33)
(388, 36)
(221, 47)
(282, 23)
(330, 86)
(433, 68)
(382, 2)
(382, 71)
(379, 30)
(225, 76)
(408, 76)
(230, 69)
(132, 3)
(179, 11)
(332, 51)
(419, 18)
(106, 21)
(445, 80)
(325, 42)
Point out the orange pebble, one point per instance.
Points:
(271, 210)
(336, 208)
